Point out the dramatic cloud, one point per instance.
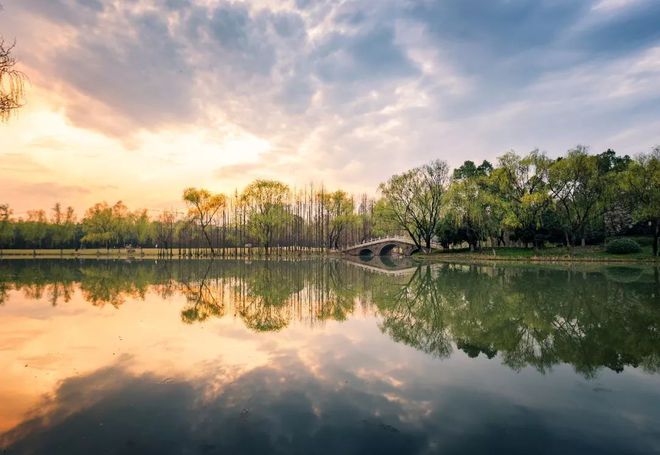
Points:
(348, 92)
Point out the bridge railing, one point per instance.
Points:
(400, 238)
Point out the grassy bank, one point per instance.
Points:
(553, 254)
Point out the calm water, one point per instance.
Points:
(327, 357)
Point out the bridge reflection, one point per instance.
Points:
(385, 264)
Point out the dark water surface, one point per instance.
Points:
(327, 356)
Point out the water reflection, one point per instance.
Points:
(589, 317)
(323, 360)
(293, 411)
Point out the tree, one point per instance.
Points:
(202, 208)
(142, 227)
(165, 229)
(642, 184)
(99, 225)
(577, 184)
(121, 222)
(264, 201)
(63, 226)
(384, 223)
(11, 81)
(521, 185)
(470, 170)
(414, 200)
(474, 210)
(5, 225)
(35, 228)
(339, 209)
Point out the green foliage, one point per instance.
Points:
(6, 229)
(63, 226)
(521, 183)
(474, 210)
(203, 207)
(641, 182)
(578, 182)
(414, 200)
(470, 170)
(622, 246)
(339, 210)
(100, 225)
(523, 199)
(35, 228)
(265, 202)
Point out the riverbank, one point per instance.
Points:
(556, 254)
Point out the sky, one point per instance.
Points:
(135, 100)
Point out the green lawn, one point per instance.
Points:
(587, 253)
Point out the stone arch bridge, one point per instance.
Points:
(384, 246)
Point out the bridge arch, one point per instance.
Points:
(384, 246)
(387, 249)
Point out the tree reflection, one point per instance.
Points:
(530, 316)
(268, 295)
(589, 317)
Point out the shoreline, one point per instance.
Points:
(472, 258)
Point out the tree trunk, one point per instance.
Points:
(568, 241)
(656, 234)
(208, 239)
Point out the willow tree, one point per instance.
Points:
(99, 225)
(11, 81)
(474, 210)
(522, 185)
(577, 185)
(143, 229)
(414, 200)
(265, 202)
(203, 206)
(642, 183)
(5, 224)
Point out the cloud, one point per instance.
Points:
(386, 84)
(291, 408)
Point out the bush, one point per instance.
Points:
(623, 246)
(643, 241)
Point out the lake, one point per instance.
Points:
(327, 356)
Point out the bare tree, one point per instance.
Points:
(11, 81)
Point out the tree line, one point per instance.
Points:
(529, 200)
(264, 215)
(523, 200)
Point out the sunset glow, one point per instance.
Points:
(135, 101)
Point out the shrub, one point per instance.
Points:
(643, 241)
(622, 246)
